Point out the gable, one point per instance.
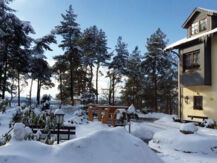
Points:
(198, 14)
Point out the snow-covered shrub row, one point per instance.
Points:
(174, 140)
(188, 128)
(20, 133)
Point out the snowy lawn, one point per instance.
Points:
(108, 145)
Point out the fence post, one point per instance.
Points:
(68, 133)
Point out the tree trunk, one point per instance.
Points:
(91, 76)
(113, 89)
(18, 88)
(110, 90)
(5, 72)
(61, 88)
(30, 93)
(155, 85)
(71, 82)
(97, 77)
(38, 92)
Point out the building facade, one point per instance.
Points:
(198, 66)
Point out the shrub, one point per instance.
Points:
(45, 102)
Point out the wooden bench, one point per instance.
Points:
(199, 117)
(64, 131)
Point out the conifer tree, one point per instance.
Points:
(40, 70)
(118, 65)
(70, 32)
(156, 64)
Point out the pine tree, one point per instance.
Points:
(101, 56)
(40, 70)
(118, 65)
(131, 94)
(70, 30)
(156, 64)
(60, 67)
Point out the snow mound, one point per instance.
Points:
(131, 109)
(19, 131)
(208, 123)
(142, 132)
(174, 140)
(188, 128)
(112, 145)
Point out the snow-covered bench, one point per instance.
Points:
(66, 132)
(198, 117)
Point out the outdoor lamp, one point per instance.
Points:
(186, 99)
(59, 117)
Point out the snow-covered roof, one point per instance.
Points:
(186, 40)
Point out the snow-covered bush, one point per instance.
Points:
(131, 111)
(23, 106)
(79, 117)
(19, 131)
(3, 105)
(17, 117)
(209, 123)
(172, 139)
(45, 102)
(142, 132)
(29, 135)
(38, 135)
(4, 139)
(188, 128)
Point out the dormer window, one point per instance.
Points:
(195, 28)
(203, 24)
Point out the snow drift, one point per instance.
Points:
(111, 145)
(173, 139)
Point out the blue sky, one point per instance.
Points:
(134, 20)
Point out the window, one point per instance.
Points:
(198, 102)
(194, 28)
(191, 60)
(203, 24)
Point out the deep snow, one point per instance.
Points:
(113, 145)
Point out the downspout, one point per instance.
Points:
(180, 88)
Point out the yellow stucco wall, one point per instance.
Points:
(209, 93)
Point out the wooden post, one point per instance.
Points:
(58, 133)
(68, 133)
(100, 114)
(90, 113)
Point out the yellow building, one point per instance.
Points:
(198, 66)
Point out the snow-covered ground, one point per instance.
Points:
(108, 145)
(174, 146)
(96, 142)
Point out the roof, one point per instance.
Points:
(187, 40)
(197, 10)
